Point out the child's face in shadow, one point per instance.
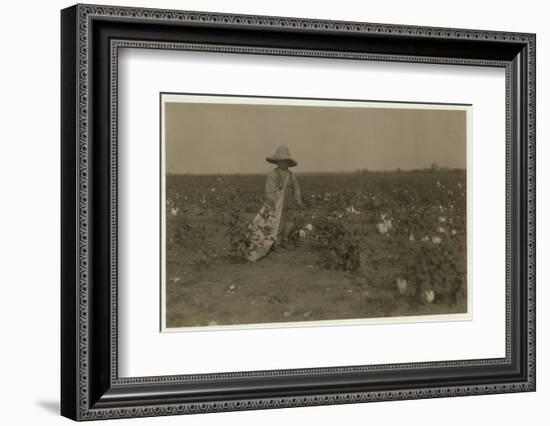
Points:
(282, 165)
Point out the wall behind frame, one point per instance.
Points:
(30, 224)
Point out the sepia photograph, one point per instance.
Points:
(279, 212)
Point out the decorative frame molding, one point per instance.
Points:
(91, 37)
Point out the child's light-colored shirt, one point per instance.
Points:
(274, 183)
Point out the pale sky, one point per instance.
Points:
(206, 138)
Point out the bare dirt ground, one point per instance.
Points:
(286, 285)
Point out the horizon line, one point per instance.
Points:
(443, 169)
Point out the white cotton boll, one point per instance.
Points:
(441, 229)
(382, 228)
(309, 227)
(453, 232)
(436, 240)
(352, 210)
(411, 238)
(442, 219)
(425, 238)
(401, 285)
(429, 296)
(302, 233)
(174, 211)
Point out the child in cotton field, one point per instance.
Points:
(273, 223)
(281, 184)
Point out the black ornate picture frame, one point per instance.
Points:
(90, 384)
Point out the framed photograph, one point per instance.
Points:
(263, 212)
(368, 228)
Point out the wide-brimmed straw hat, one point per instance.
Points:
(282, 154)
